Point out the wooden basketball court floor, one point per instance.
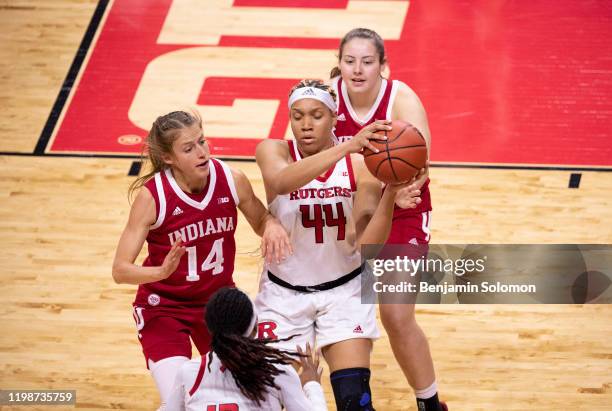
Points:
(66, 325)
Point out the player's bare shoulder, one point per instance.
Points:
(273, 144)
(408, 107)
(272, 148)
(143, 207)
(406, 97)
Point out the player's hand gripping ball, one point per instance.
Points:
(401, 156)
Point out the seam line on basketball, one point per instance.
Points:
(394, 148)
(398, 134)
(389, 155)
(397, 148)
(404, 161)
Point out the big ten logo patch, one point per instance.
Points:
(266, 330)
(234, 61)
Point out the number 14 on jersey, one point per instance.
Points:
(214, 262)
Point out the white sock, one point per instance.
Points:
(164, 373)
(428, 392)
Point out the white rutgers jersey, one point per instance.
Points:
(318, 218)
(199, 387)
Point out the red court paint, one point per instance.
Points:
(503, 82)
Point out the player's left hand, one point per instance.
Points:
(275, 243)
(421, 176)
(310, 365)
(407, 195)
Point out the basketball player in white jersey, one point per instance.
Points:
(330, 204)
(242, 373)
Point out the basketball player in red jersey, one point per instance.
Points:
(187, 213)
(364, 96)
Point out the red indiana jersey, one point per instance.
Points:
(349, 124)
(206, 222)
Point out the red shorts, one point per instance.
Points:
(164, 332)
(410, 229)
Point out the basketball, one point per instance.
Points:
(401, 156)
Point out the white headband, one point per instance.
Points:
(314, 93)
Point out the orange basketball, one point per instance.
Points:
(400, 157)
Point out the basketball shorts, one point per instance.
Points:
(410, 229)
(165, 332)
(324, 317)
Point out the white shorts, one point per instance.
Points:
(324, 317)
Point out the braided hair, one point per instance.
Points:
(251, 362)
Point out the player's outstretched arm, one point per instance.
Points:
(176, 401)
(142, 216)
(372, 212)
(282, 176)
(275, 243)
(303, 392)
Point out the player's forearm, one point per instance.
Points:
(127, 273)
(260, 225)
(176, 401)
(256, 214)
(378, 229)
(300, 173)
(314, 393)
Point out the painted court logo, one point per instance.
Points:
(177, 52)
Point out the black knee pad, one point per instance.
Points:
(352, 389)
